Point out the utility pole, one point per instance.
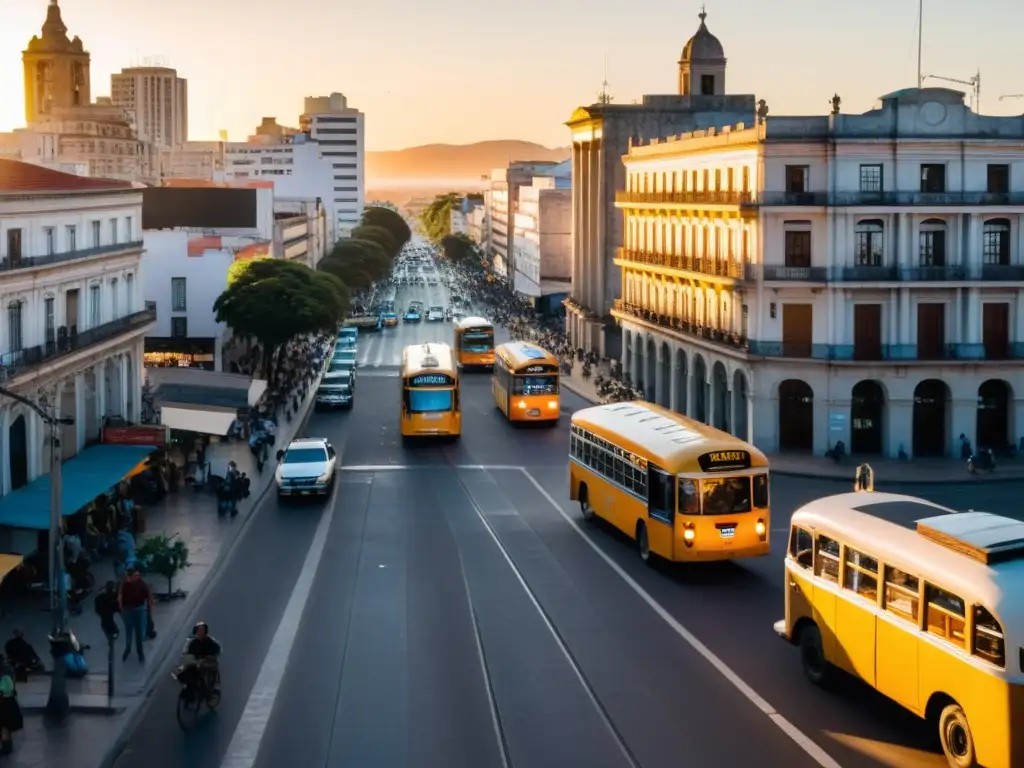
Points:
(58, 704)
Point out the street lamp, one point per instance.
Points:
(58, 704)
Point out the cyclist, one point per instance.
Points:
(205, 649)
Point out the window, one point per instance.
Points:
(746, 178)
(797, 178)
(801, 548)
(72, 231)
(707, 85)
(49, 319)
(861, 574)
(932, 244)
(988, 637)
(901, 593)
(179, 327)
(725, 495)
(998, 179)
(129, 289)
(730, 179)
(996, 242)
(114, 300)
(869, 236)
(944, 614)
(178, 294)
(51, 240)
(128, 231)
(760, 489)
(933, 178)
(13, 247)
(96, 235)
(15, 330)
(798, 248)
(826, 564)
(871, 178)
(113, 231)
(94, 306)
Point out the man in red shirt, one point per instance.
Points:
(134, 598)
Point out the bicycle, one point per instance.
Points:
(200, 684)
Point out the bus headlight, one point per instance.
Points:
(689, 534)
(761, 529)
(552, 404)
(522, 405)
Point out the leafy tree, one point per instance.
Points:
(436, 218)
(392, 221)
(349, 273)
(368, 255)
(458, 248)
(275, 300)
(379, 235)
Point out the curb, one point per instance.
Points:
(137, 709)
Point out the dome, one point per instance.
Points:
(703, 46)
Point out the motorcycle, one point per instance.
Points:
(982, 459)
(200, 685)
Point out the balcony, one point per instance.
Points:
(712, 267)
(901, 354)
(840, 199)
(733, 341)
(30, 262)
(684, 198)
(69, 340)
(884, 274)
(782, 274)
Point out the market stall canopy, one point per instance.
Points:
(8, 563)
(202, 401)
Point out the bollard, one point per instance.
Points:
(111, 638)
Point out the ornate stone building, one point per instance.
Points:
(56, 69)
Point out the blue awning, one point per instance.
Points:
(94, 471)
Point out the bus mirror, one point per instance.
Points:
(864, 480)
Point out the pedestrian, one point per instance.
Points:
(135, 600)
(11, 719)
(107, 607)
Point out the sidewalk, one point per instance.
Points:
(887, 471)
(91, 734)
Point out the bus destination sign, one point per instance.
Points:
(431, 380)
(546, 368)
(723, 461)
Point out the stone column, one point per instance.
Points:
(122, 370)
(577, 230)
(80, 412)
(99, 372)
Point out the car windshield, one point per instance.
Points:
(339, 365)
(305, 456)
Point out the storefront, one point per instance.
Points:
(172, 352)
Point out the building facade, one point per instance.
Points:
(501, 199)
(158, 98)
(600, 137)
(73, 318)
(806, 281)
(340, 130)
(543, 238)
(56, 69)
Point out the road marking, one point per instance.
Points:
(398, 467)
(245, 743)
(802, 740)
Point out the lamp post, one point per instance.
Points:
(58, 703)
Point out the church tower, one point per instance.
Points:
(702, 64)
(56, 69)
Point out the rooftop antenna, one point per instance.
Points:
(1012, 96)
(974, 83)
(920, 41)
(605, 97)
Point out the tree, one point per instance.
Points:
(436, 218)
(377, 234)
(349, 273)
(274, 301)
(365, 255)
(458, 248)
(392, 221)
(165, 556)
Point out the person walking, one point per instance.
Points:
(107, 607)
(11, 719)
(135, 600)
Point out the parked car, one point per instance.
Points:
(307, 468)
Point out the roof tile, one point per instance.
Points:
(19, 177)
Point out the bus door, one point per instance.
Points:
(661, 510)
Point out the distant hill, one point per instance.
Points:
(452, 161)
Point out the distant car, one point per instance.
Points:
(413, 315)
(337, 390)
(307, 468)
(435, 314)
(389, 319)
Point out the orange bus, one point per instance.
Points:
(525, 382)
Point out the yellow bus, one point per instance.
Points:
(474, 343)
(682, 490)
(430, 392)
(525, 382)
(929, 613)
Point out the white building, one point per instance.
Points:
(159, 100)
(543, 238)
(478, 225)
(72, 319)
(854, 278)
(501, 198)
(340, 130)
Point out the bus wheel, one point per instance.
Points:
(955, 737)
(812, 655)
(643, 544)
(585, 509)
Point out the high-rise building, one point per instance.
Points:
(340, 130)
(159, 100)
(56, 69)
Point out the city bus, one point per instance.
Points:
(682, 490)
(474, 343)
(921, 603)
(525, 382)
(430, 392)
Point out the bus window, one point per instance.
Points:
(944, 614)
(726, 495)
(689, 499)
(430, 400)
(801, 547)
(861, 574)
(988, 637)
(826, 564)
(901, 593)
(535, 385)
(661, 502)
(761, 491)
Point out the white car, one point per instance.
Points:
(436, 314)
(307, 468)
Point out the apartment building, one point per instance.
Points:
(543, 238)
(847, 278)
(501, 199)
(158, 98)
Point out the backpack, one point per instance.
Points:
(76, 665)
(6, 685)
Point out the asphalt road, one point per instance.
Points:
(458, 619)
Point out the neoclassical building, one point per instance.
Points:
(854, 278)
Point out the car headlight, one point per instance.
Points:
(277, 474)
(326, 476)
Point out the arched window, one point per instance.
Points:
(870, 243)
(996, 248)
(932, 243)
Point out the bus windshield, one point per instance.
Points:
(725, 495)
(535, 385)
(429, 400)
(478, 341)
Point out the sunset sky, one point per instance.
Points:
(427, 71)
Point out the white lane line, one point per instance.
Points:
(245, 743)
(802, 740)
(397, 467)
